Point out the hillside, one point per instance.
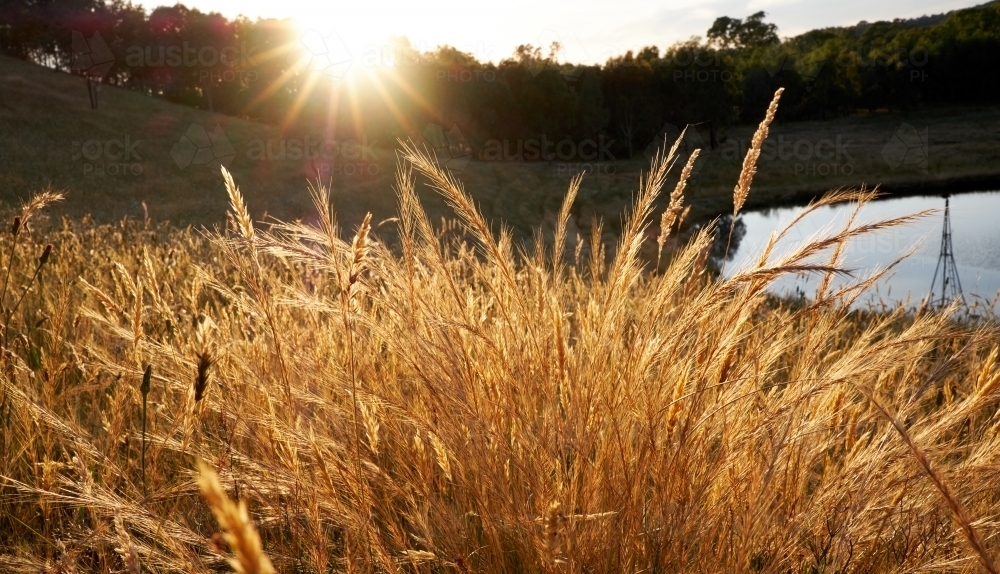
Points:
(112, 159)
(918, 22)
(51, 136)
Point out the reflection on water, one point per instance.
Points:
(727, 239)
(975, 221)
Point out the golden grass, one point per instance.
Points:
(463, 405)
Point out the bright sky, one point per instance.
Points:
(589, 30)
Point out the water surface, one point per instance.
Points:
(975, 222)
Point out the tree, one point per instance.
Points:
(732, 33)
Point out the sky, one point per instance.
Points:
(590, 31)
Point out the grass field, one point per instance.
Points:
(50, 135)
(457, 405)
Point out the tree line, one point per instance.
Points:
(266, 71)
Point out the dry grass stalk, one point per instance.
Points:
(37, 203)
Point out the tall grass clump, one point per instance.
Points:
(459, 403)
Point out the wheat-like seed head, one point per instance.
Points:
(204, 353)
(240, 212)
(989, 374)
(125, 547)
(564, 212)
(444, 463)
(359, 250)
(742, 189)
(673, 413)
(673, 211)
(369, 416)
(38, 202)
(234, 519)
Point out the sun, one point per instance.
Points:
(324, 65)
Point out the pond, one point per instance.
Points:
(975, 226)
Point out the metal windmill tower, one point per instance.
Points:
(950, 286)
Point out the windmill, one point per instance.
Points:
(950, 286)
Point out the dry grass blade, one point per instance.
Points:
(956, 507)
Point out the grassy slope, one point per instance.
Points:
(42, 114)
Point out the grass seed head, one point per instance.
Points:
(239, 531)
